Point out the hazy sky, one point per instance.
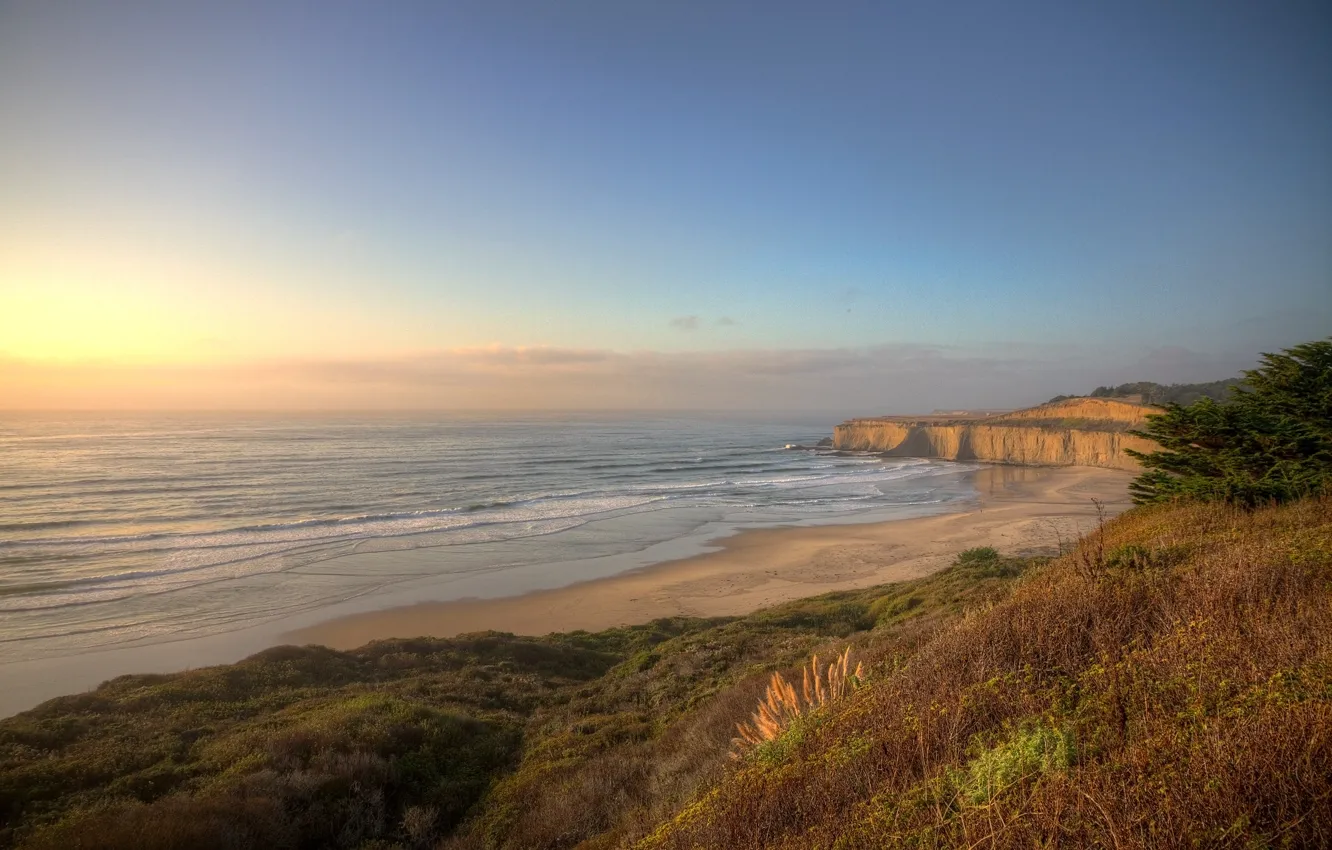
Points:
(834, 206)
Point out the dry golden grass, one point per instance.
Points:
(782, 705)
(1166, 685)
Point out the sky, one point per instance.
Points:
(850, 207)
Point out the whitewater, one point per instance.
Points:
(131, 530)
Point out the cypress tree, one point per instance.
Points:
(1271, 443)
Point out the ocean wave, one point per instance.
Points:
(44, 525)
(721, 466)
(562, 505)
(102, 537)
(889, 474)
(537, 505)
(100, 589)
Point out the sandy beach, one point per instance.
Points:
(1020, 509)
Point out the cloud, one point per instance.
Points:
(889, 378)
(525, 356)
(693, 322)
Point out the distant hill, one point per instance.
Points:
(1149, 392)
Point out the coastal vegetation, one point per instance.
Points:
(1270, 442)
(1164, 682)
(492, 739)
(783, 706)
(1168, 683)
(1150, 392)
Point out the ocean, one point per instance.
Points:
(130, 530)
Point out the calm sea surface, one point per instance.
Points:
(144, 529)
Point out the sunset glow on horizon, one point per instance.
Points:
(339, 206)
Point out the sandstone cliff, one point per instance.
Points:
(1077, 432)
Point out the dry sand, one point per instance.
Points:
(1020, 510)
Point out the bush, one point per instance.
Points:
(1024, 755)
(979, 556)
(1271, 443)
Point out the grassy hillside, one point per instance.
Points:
(1169, 683)
(544, 742)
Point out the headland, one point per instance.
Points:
(1075, 432)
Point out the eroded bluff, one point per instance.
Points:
(1077, 432)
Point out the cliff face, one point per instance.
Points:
(1079, 432)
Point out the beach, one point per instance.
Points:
(1017, 510)
(701, 566)
(153, 544)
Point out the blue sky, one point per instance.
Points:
(1109, 189)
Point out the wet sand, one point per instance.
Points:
(1019, 510)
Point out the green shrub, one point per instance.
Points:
(1271, 443)
(986, 562)
(1025, 754)
(978, 557)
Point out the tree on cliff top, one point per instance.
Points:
(1162, 394)
(1271, 443)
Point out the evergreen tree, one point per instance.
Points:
(1161, 394)
(1271, 443)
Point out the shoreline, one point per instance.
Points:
(1013, 508)
(1018, 509)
